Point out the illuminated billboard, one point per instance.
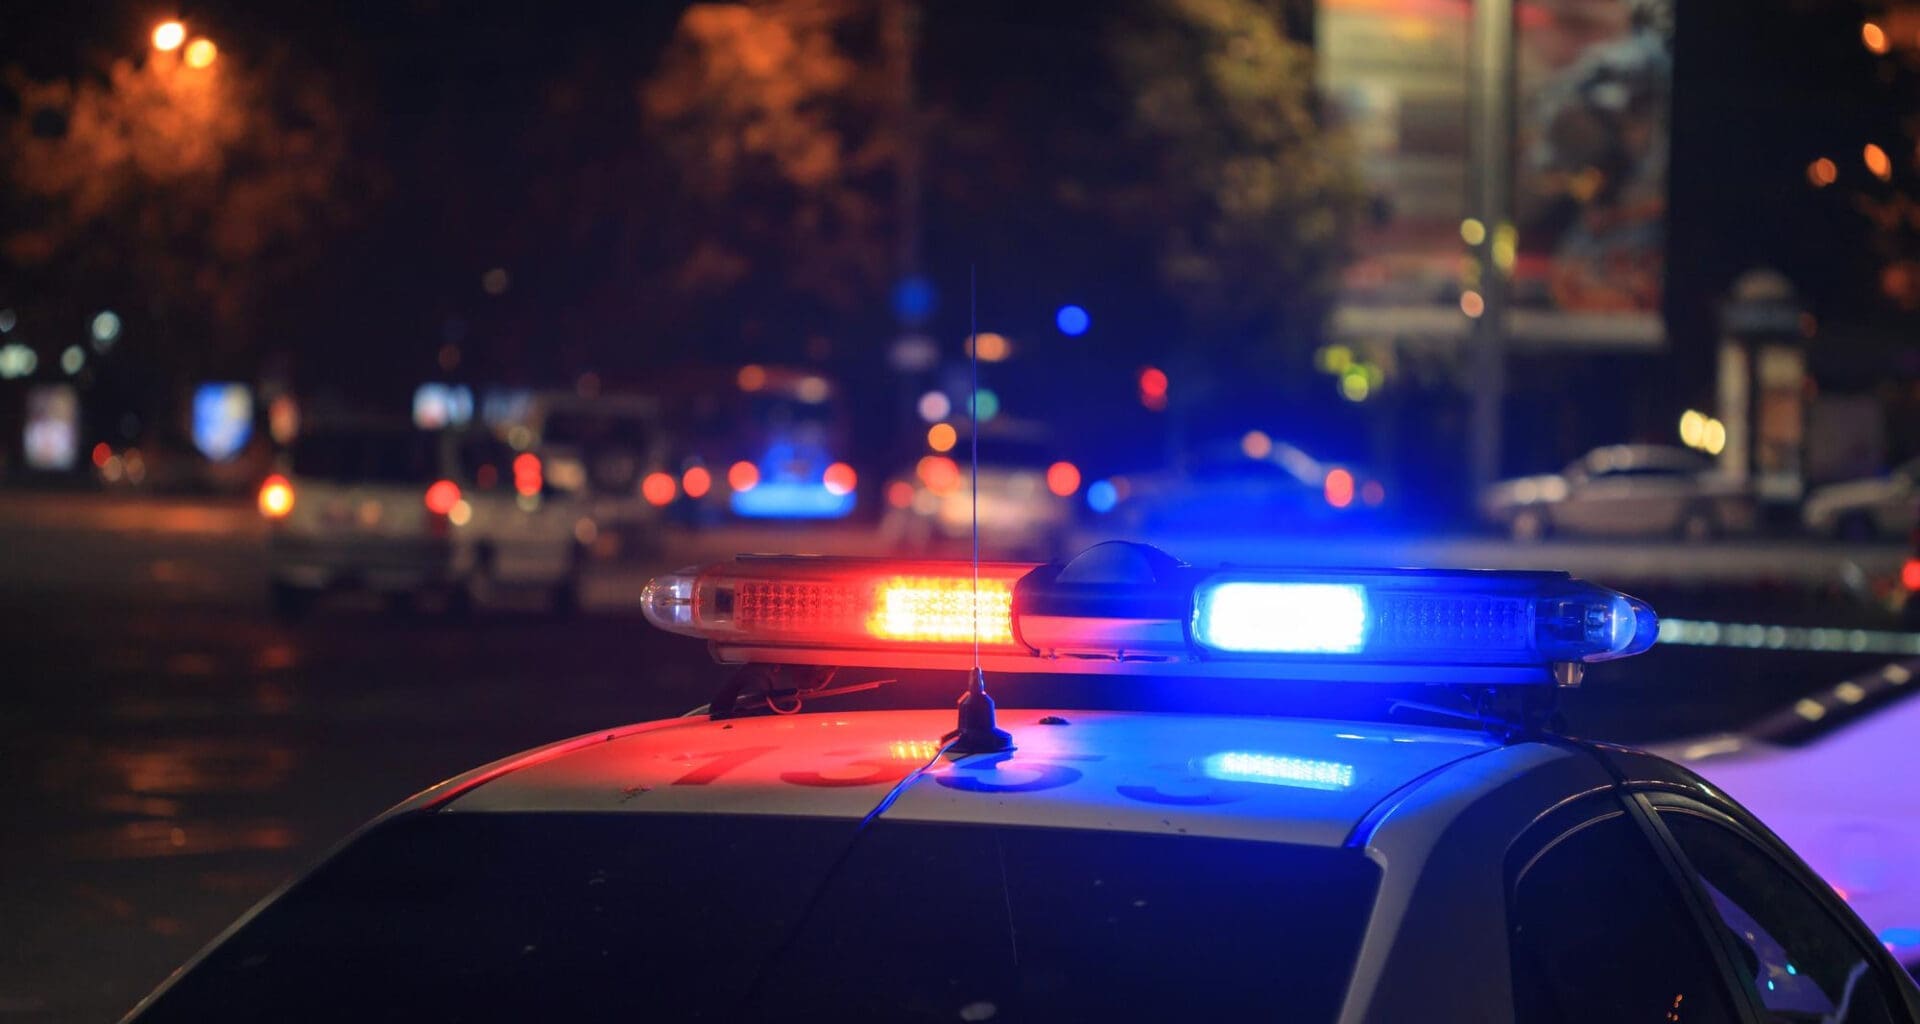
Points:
(1589, 156)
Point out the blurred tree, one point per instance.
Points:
(784, 137)
(1250, 195)
(179, 192)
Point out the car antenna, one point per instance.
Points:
(976, 732)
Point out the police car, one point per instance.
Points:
(1239, 853)
(1834, 774)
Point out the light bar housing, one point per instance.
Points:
(1129, 609)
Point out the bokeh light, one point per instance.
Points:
(1472, 304)
(985, 406)
(1339, 488)
(1063, 479)
(1354, 385)
(658, 488)
(941, 437)
(751, 377)
(1102, 496)
(991, 347)
(1877, 161)
(1073, 321)
(1873, 37)
(1822, 172)
(839, 479)
(935, 406)
(201, 53)
(743, 476)
(1255, 444)
(939, 473)
(1472, 231)
(168, 35)
(696, 481)
(1153, 388)
(900, 494)
(105, 329)
(442, 496)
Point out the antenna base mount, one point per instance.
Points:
(977, 733)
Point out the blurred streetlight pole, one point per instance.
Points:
(1490, 156)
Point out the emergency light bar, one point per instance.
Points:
(1129, 609)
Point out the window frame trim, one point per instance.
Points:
(1565, 820)
(1654, 801)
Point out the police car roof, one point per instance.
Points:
(1095, 770)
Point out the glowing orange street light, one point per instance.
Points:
(201, 52)
(1877, 161)
(168, 35)
(1874, 37)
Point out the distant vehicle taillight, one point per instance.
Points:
(1063, 479)
(528, 478)
(1910, 574)
(444, 507)
(276, 497)
(442, 496)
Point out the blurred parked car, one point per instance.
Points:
(1834, 775)
(385, 507)
(1881, 506)
(1026, 496)
(1624, 490)
(1275, 487)
(608, 451)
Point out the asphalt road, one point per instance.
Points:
(169, 754)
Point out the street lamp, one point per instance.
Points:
(200, 53)
(168, 35)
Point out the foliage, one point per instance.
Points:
(782, 141)
(187, 187)
(1254, 198)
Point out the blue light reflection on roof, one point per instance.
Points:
(1278, 770)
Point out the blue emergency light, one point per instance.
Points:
(1123, 608)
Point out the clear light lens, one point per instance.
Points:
(1278, 770)
(1282, 618)
(838, 604)
(1431, 618)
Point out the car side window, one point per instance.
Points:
(1801, 962)
(1600, 933)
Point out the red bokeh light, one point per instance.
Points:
(442, 496)
(743, 476)
(658, 488)
(696, 481)
(1063, 478)
(1339, 488)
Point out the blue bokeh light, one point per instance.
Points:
(1102, 496)
(914, 299)
(1073, 321)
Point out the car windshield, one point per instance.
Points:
(456, 916)
(396, 456)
